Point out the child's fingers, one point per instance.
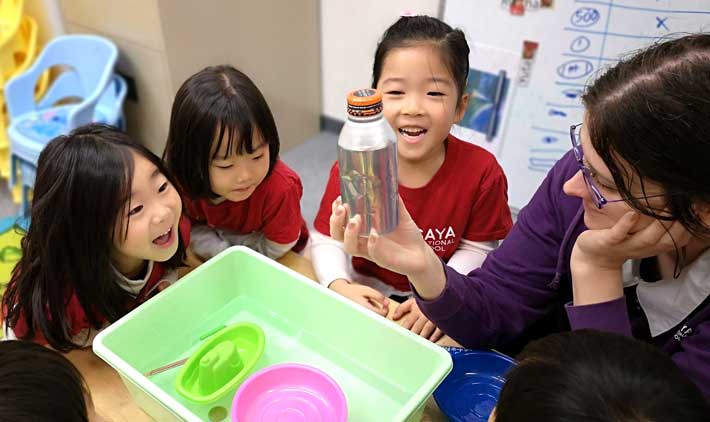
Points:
(408, 321)
(375, 296)
(438, 334)
(419, 324)
(427, 330)
(402, 309)
(378, 307)
(371, 299)
(369, 305)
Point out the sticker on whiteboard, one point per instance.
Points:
(517, 7)
(532, 5)
(490, 95)
(526, 62)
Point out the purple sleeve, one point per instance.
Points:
(517, 283)
(611, 316)
(693, 357)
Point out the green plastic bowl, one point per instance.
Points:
(221, 364)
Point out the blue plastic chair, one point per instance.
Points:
(88, 77)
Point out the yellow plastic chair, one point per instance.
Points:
(10, 14)
(16, 55)
(10, 17)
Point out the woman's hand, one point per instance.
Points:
(410, 317)
(363, 295)
(403, 250)
(610, 248)
(598, 255)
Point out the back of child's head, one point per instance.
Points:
(40, 385)
(413, 31)
(83, 184)
(214, 102)
(590, 376)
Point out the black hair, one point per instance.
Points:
(593, 376)
(39, 385)
(83, 182)
(409, 31)
(651, 111)
(210, 103)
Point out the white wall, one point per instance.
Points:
(350, 31)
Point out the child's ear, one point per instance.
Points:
(461, 108)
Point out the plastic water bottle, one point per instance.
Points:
(367, 157)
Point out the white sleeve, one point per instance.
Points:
(258, 242)
(206, 242)
(276, 250)
(330, 261)
(470, 255)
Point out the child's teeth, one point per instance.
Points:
(412, 132)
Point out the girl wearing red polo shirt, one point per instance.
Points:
(106, 234)
(223, 148)
(455, 191)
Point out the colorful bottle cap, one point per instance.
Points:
(365, 102)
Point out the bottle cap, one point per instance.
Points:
(364, 103)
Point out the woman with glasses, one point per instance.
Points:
(616, 238)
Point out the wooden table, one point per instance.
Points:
(113, 403)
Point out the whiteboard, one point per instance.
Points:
(576, 40)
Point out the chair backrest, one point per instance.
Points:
(111, 101)
(90, 57)
(67, 87)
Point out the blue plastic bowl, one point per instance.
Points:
(470, 391)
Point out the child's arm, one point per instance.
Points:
(331, 263)
(470, 255)
(258, 242)
(206, 241)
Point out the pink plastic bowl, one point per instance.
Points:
(289, 393)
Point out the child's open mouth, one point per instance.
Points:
(412, 134)
(164, 239)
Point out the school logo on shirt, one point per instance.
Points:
(439, 239)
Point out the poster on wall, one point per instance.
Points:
(490, 90)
